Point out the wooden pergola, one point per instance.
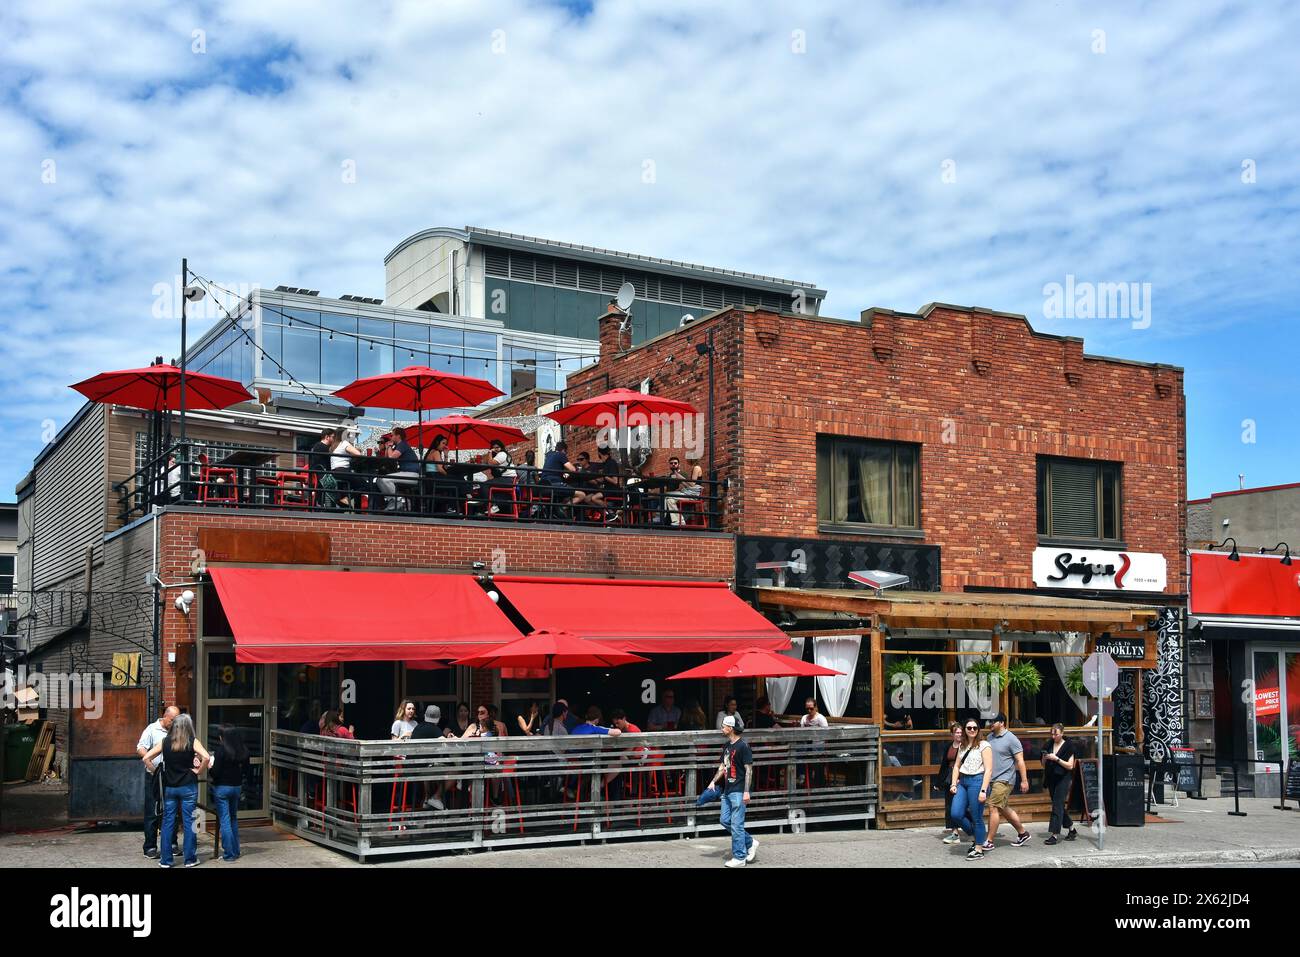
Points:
(881, 612)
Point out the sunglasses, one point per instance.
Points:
(971, 727)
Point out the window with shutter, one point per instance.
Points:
(1079, 499)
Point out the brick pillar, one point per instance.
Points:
(611, 340)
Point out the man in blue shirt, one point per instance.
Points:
(593, 726)
(407, 476)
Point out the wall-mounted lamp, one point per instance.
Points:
(1234, 557)
(1286, 558)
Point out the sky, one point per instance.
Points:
(894, 154)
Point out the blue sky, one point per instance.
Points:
(894, 154)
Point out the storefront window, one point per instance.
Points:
(1268, 707)
(228, 679)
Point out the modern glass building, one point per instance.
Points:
(518, 311)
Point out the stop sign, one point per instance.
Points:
(1100, 674)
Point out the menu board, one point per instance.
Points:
(1184, 759)
(1090, 792)
(1293, 781)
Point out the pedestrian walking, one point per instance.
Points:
(945, 779)
(1058, 771)
(183, 757)
(153, 735)
(969, 787)
(230, 759)
(736, 772)
(1008, 763)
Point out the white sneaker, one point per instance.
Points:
(753, 851)
(734, 863)
(434, 804)
(952, 838)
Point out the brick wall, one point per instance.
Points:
(980, 391)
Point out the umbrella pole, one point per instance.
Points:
(185, 279)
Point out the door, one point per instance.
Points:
(235, 696)
(1275, 712)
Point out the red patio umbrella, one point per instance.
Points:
(463, 432)
(418, 388)
(551, 649)
(626, 404)
(754, 663)
(157, 388)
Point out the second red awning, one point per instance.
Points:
(643, 616)
(282, 615)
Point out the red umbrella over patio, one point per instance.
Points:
(418, 388)
(157, 389)
(626, 405)
(755, 663)
(463, 432)
(551, 649)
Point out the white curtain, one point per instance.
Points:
(780, 689)
(841, 654)
(1075, 642)
(964, 661)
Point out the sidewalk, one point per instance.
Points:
(1199, 833)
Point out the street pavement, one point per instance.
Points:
(1198, 834)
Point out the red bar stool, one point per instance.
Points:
(692, 512)
(217, 484)
(291, 489)
(507, 493)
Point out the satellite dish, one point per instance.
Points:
(626, 293)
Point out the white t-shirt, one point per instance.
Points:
(973, 762)
(403, 727)
(151, 738)
(818, 721)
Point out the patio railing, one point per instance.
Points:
(265, 478)
(396, 797)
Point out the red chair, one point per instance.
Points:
(216, 484)
(505, 493)
(292, 489)
(693, 513)
(509, 765)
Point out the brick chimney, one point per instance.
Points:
(611, 339)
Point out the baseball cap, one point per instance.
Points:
(729, 721)
(433, 714)
(1000, 717)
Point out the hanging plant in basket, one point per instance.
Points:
(989, 672)
(1024, 678)
(1074, 681)
(904, 673)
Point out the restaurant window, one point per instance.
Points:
(868, 483)
(1079, 499)
(437, 686)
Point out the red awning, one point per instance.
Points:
(643, 616)
(285, 615)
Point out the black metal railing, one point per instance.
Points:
(254, 477)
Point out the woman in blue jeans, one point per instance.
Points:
(230, 758)
(183, 757)
(970, 786)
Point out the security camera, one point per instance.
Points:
(183, 601)
(478, 566)
(194, 293)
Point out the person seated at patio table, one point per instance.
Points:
(341, 467)
(407, 476)
(429, 730)
(459, 724)
(618, 718)
(592, 724)
(611, 475)
(531, 724)
(764, 719)
(555, 724)
(499, 473)
(585, 491)
(812, 719)
(448, 490)
(404, 722)
(693, 717)
(332, 726)
(487, 725)
(729, 711)
(665, 716)
(318, 464)
(688, 487)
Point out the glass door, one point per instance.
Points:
(1275, 712)
(235, 695)
(1291, 698)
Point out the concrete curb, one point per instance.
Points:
(1239, 856)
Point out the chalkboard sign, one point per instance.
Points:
(1089, 792)
(1185, 760)
(1293, 781)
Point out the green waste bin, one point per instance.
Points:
(19, 743)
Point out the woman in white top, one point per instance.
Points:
(341, 464)
(730, 709)
(970, 786)
(404, 722)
